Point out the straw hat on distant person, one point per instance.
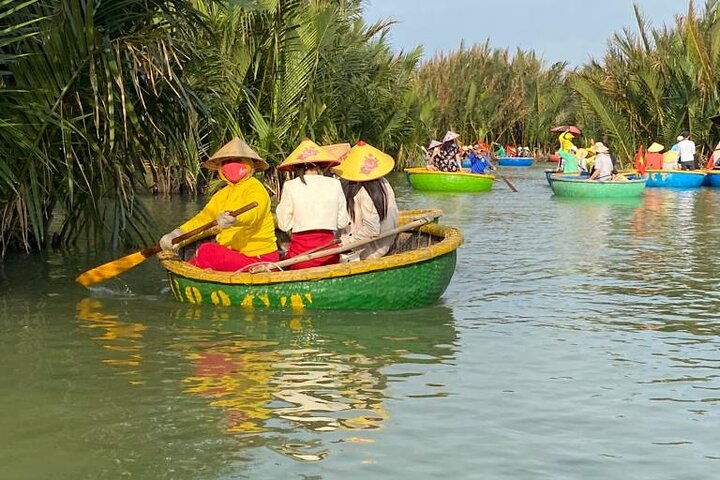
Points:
(450, 136)
(655, 148)
(364, 163)
(338, 150)
(308, 152)
(433, 144)
(600, 147)
(235, 149)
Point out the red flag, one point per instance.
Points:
(640, 160)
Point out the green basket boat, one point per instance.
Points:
(572, 186)
(414, 274)
(434, 181)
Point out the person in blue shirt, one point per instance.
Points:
(480, 161)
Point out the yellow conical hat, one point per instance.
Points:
(308, 152)
(235, 149)
(364, 163)
(338, 150)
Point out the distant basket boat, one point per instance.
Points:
(515, 161)
(573, 186)
(686, 179)
(415, 274)
(713, 178)
(435, 181)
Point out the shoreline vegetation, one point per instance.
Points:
(103, 102)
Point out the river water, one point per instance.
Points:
(577, 340)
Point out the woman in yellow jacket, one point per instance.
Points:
(243, 240)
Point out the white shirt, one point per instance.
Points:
(687, 150)
(367, 223)
(318, 205)
(603, 164)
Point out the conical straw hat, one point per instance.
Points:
(450, 135)
(365, 163)
(434, 144)
(338, 150)
(655, 147)
(308, 152)
(235, 149)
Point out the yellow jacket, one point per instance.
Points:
(565, 140)
(254, 232)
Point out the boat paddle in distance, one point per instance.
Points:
(115, 267)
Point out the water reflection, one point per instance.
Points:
(273, 376)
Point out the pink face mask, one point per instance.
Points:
(235, 171)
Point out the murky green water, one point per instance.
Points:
(576, 341)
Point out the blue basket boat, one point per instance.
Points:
(684, 179)
(515, 161)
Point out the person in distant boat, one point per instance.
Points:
(501, 152)
(243, 240)
(312, 205)
(715, 158)
(370, 199)
(654, 157)
(581, 155)
(566, 141)
(569, 161)
(480, 160)
(603, 170)
(511, 151)
(687, 152)
(432, 152)
(670, 160)
(449, 159)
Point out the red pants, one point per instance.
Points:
(303, 242)
(224, 259)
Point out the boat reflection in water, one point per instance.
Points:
(274, 376)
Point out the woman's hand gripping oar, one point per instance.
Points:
(120, 265)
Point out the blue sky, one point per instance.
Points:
(575, 32)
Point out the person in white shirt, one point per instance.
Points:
(603, 163)
(370, 199)
(312, 206)
(687, 152)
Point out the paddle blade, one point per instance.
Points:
(110, 269)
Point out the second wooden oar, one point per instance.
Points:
(116, 267)
(504, 179)
(265, 267)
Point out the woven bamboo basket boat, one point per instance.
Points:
(414, 274)
(433, 180)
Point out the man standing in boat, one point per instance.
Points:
(687, 152)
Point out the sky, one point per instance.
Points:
(558, 31)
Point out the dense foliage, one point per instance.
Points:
(655, 84)
(104, 101)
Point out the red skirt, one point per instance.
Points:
(303, 242)
(224, 259)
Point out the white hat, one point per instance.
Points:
(600, 147)
(680, 138)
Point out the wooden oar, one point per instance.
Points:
(116, 267)
(265, 267)
(504, 179)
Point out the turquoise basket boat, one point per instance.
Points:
(571, 186)
(515, 161)
(415, 274)
(683, 179)
(434, 181)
